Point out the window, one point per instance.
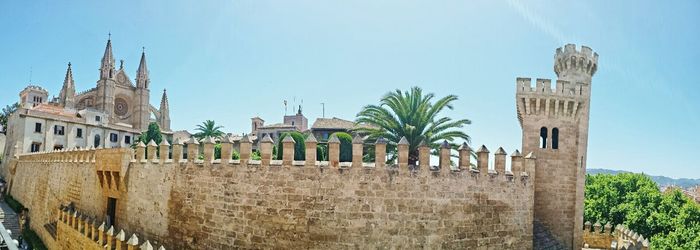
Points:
(98, 118)
(37, 127)
(325, 135)
(59, 130)
(79, 133)
(35, 147)
(543, 137)
(127, 139)
(57, 147)
(555, 138)
(113, 137)
(97, 141)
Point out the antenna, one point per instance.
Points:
(285, 107)
(323, 107)
(30, 74)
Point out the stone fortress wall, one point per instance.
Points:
(223, 204)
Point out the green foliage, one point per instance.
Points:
(208, 128)
(153, 133)
(217, 151)
(671, 220)
(235, 155)
(6, 112)
(255, 155)
(33, 239)
(321, 152)
(14, 204)
(345, 146)
(299, 146)
(414, 115)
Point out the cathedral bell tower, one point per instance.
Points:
(106, 84)
(142, 106)
(554, 125)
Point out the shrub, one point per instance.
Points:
(299, 146)
(321, 152)
(255, 155)
(236, 155)
(345, 146)
(33, 239)
(14, 204)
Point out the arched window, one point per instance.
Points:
(555, 138)
(543, 137)
(97, 141)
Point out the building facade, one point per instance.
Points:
(109, 115)
(554, 125)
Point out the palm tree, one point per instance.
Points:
(413, 115)
(208, 128)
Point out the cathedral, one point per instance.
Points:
(110, 115)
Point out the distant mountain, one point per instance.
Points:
(660, 180)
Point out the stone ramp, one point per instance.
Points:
(10, 219)
(543, 239)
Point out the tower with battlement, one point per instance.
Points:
(554, 125)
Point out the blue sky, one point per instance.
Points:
(232, 60)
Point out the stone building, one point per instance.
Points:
(109, 115)
(554, 125)
(297, 122)
(162, 193)
(324, 127)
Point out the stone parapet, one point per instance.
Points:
(605, 237)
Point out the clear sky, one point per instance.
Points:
(232, 60)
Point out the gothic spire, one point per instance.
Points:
(67, 95)
(68, 81)
(142, 79)
(107, 67)
(164, 101)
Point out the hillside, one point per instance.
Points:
(660, 180)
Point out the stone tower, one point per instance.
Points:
(143, 106)
(107, 84)
(67, 95)
(554, 125)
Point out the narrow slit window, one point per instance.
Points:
(543, 137)
(555, 138)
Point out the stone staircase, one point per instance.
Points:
(10, 219)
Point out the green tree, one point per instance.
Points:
(671, 220)
(153, 133)
(415, 115)
(208, 128)
(299, 145)
(345, 146)
(6, 112)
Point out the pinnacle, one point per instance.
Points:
(500, 151)
(246, 138)
(403, 141)
(516, 153)
(193, 141)
(334, 139)
(464, 146)
(267, 138)
(164, 143)
(311, 138)
(288, 138)
(381, 140)
(152, 143)
(445, 144)
(483, 149)
(208, 140)
(357, 140)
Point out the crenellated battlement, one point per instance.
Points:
(568, 60)
(565, 100)
(76, 229)
(605, 237)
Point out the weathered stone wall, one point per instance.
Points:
(43, 186)
(221, 207)
(196, 205)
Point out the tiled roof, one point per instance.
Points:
(278, 125)
(54, 110)
(336, 123)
